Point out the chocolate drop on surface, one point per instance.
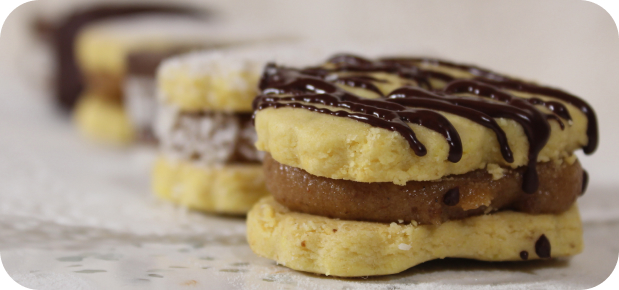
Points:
(542, 247)
(585, 181)
(452, 197)
(524, 255)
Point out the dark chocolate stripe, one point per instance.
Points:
(533, 121)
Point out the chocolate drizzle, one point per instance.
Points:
(585, 181)
(481, 99)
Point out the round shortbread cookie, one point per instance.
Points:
(226, 189)
(352, 248)
(341, 148)
(103, 120)
(322, 120)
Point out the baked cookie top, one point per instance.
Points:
(225, 79)
(402, 119)
(103, 47)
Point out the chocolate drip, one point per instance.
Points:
(415, 97)
(68, 77)
(533, 121)
(554, 117)
(585, 181)
(592, 127)
(542, 247)
(316, 86)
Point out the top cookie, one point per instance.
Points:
(402, 119)
(103, 47)
(226, 79)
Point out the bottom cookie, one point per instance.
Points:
(227, 189)
(103, 120)
(353, 248)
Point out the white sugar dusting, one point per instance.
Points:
(404, 247)
(205, 139)
(240, 61)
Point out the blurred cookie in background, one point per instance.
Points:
(207, 160)
(118, 58)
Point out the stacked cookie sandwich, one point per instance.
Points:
(119, 58)
(204, 125)
(376, 166)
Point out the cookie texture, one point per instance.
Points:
(224, 80)
(352, 248)
(225, 189)
(103, 120)
(414, 119)
(342, 148)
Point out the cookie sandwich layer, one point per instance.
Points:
(343, 248)
(204, 123)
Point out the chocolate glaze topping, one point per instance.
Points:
(68, 77)
(483, 97)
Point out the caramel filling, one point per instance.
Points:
(425, 202)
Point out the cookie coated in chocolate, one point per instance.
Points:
(423, 201)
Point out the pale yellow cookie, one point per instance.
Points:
(342, 148)
(227, 189)
(103, 47)
(353, 248)
(224, 80)
(103, 120)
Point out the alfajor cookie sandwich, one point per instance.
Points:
(208, 160)
(119, 58)
(377, 165)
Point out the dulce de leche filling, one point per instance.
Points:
(425, 202)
